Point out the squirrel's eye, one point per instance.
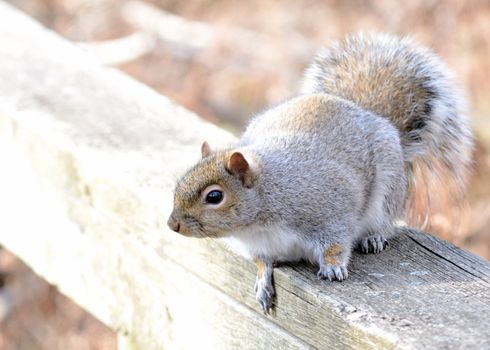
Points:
(214, 197)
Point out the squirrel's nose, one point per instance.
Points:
(173, 224)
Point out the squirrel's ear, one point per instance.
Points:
(205, 149)
(238, 166)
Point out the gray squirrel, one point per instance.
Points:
(331, 169)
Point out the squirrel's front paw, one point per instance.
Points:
(332, 272)
(333, 263)
(264, 292)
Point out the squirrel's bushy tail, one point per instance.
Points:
(395, 78)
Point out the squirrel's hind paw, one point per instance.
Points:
(333, 272)
(373, 244)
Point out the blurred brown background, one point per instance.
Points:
(227, 60)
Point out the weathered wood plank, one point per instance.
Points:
(157, 303)
(405, 290)
(92, 158)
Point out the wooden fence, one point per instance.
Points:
(89, 158)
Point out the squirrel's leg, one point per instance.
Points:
(264, 289)
(380, 222)
(333, 261)
(334, 248)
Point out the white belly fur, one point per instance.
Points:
(273, 241)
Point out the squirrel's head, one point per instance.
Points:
(218, 195)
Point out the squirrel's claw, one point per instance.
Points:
(333, 272)
(373, 244)
(264, 293)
